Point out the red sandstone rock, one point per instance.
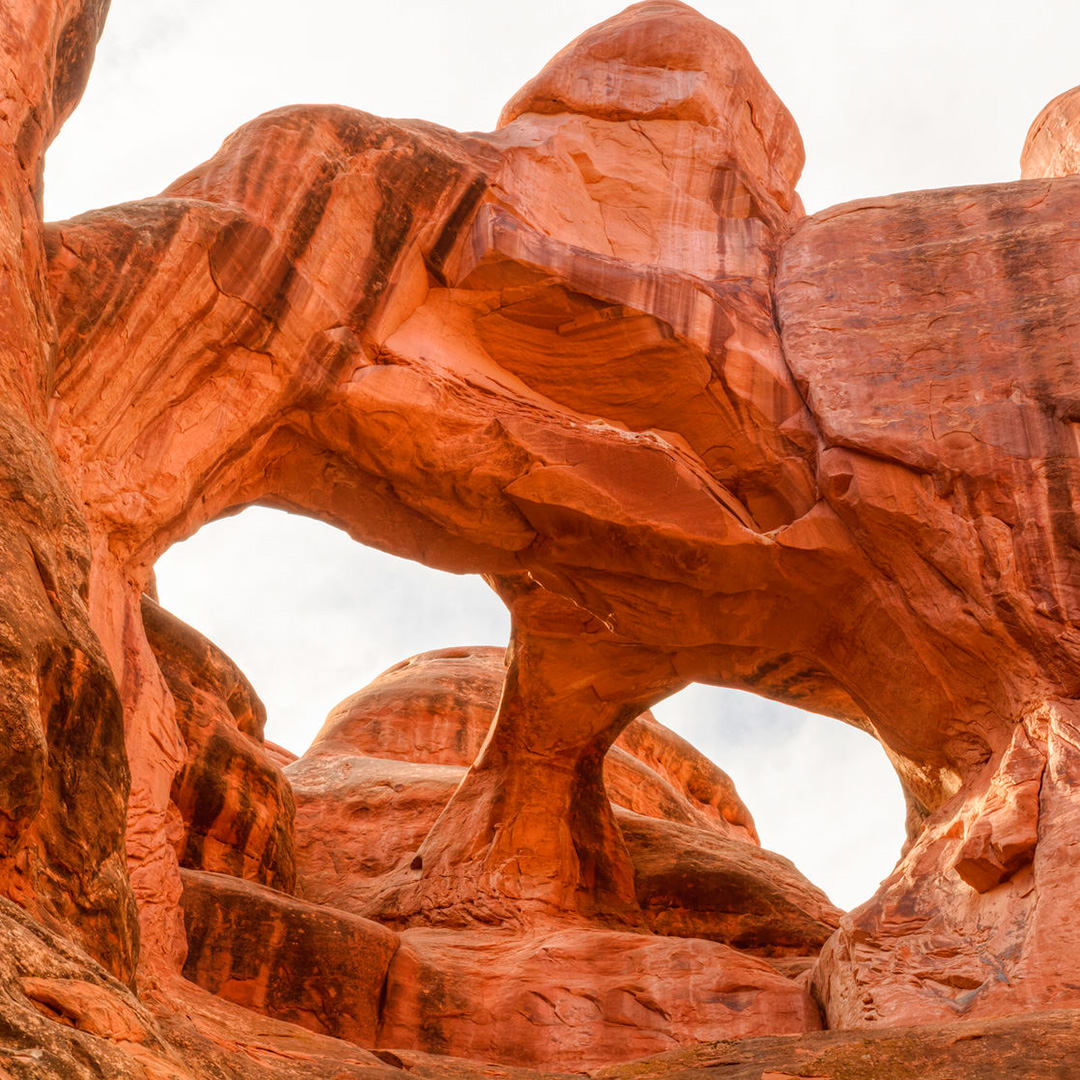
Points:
(706, 787)
(661, 61)
(853, 490)
(63, 773)
(1040, 1046)
(235, 803)
(362, 816)
(489, 230)
(220, 1038)
(434, 708)
(578, 997)
(929, 330)
(243, 1043)
(1052, 146)
(63, 1016)
(279, 755)
(313, 966)
(199, 1035)
(695, 883)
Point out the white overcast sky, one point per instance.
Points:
(889, 96)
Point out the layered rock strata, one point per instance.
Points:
(600, 356)
(388, 760)
(234, 802)
(561, 320)
(716, 930)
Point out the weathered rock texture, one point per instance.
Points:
(236, 806)
(1052, 147)
(389, 759)
(1043, 1046)
(576, 998)
(600, 356)
(932, 333)
(63, 773)
(555, 265)
(312, 966)
(729, 922)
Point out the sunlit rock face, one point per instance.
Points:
(1052, 146)
(600, 356)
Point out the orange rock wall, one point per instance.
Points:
(64, 785)
(600, 356)
(235, 804)
(930, 331)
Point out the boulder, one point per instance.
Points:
(312, 966)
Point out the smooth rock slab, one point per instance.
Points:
(580, 997)
(694, 883)
(310, 965)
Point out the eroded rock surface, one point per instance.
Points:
(63, 773)
(600, 356)
(698, 883)
(390, 757)
(236, 806)
(561, 319)
(310, 965)
(540, 990)
(954, 474)
(1052, 146)
(579, 997)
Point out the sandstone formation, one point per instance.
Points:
(579, 997)
(696, 883)
(386, 763)
(275, 416)
(64, 786)
(732, 922)
(236, 806)
(960, 489)
(601, 357)
(321, 969)
(1052, 146)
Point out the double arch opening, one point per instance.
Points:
(311, 617)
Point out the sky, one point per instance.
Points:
(889, 97)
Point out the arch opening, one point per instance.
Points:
(822, 793)
(311, 617)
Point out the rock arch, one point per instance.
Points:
(601, 357)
